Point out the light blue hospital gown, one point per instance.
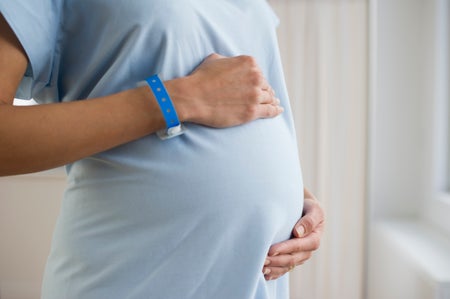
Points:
(187, 218)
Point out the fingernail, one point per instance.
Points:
(275, 253)
(300, 231)
(280, 109)
(266, 271)
(277, 101)
(267, 261)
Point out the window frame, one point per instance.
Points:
(437, 208)
(408, 143)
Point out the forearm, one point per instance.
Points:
(41, 137)
(35, 138)
(221, 92)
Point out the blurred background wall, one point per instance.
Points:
(368, 83)
(324, 46)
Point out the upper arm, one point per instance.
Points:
(13, 63)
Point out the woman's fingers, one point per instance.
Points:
(280, 265)
(229, 91)
(268, 111)
(286, 255)
(307, 233)
(268, 96)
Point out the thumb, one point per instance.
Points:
(303, 227)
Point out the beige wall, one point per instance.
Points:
(28, 209)
(324, 49)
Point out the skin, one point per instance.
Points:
(306, 235)
(62, 133)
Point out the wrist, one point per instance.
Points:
(166, 106)
(180, 92)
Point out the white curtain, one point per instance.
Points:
(324, 46)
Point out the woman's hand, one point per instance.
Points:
(284, 256)
(223, 92)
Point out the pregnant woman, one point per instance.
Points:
(195, 215)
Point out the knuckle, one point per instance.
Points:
(299, 248)
(255, 77)
(250, 112)
(254, 94)
(295, 246)
(291, 262)
(318, 209)
(269, 111)
(248, 60)
(315, 243)
(214, 55)
(305, 258)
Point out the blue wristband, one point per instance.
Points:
(173, 125)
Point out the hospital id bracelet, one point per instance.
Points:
(173, 125)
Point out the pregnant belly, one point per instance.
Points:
(208, 177)
(216, 201)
